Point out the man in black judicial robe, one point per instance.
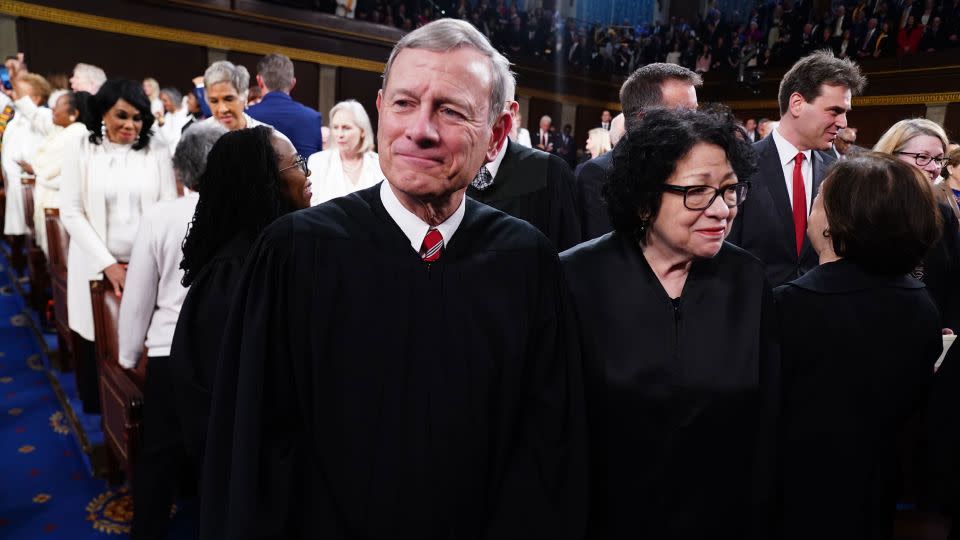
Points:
(366, 390)
(534, 186)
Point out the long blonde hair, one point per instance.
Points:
(904, 131)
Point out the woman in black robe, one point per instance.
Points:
(253, 177)
(679, 348)
(859, 340)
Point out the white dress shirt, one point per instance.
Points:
(494, 165)
(153, 293)
(98, 210)
(788, 153)
(329, 179)
(412, 226)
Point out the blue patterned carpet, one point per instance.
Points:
(47, 489)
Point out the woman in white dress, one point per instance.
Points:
(108, 181)
(152, 89)
(174, 117)
(226, 87)
(351, 164)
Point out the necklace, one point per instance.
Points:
(353, 168)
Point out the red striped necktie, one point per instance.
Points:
(432, 246)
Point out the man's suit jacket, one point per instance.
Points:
(764, 222)
(553, 138)
(591, 176)
(538, 188)
(299, 123)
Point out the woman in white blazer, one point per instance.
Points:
(351, 164)
(23, 135)
(108, 181)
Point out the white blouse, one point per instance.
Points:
(104, 190)
(330, 181)
(47, 165)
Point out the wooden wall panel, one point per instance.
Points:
(952, 122)
(306, 90)
(361, 86)
(872, 122)
(54, 48)
(538, 108)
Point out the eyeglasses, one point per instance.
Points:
(701, 197)
(923, 160)
(300, 162)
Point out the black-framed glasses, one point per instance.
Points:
(923, 160)
(701, 197)
(300, 162)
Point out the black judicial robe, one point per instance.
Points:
(538, 188)
(858, 353)
(365, 394)
(195, 348)
(682, 399)
(941, 269)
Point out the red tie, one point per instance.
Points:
(799, 202)
(432, 246)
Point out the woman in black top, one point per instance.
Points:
(859, 338)
(679, 350)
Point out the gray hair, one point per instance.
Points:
(175, 96)
(224, 71)
(92, 74)
(190, 157)
(360, 118)
(276, 70)
(444, 35)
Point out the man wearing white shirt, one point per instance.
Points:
(815, 96)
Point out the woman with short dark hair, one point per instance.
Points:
(108, 182)
(678, 342)
(853, 373)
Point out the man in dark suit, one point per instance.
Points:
(868, 42)
(299, 123)
(531, 185)
(653, 85)
(814, 97)
(546, 139)
(605, 119)
(568, 148)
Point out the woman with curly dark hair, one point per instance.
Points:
(252, 177)
(678, 342)
(107, 182)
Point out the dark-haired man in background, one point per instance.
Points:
(299, 123)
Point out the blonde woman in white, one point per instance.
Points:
(351, 164)
(108, 182)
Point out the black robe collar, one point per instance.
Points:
(845, 276)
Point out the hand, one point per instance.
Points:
(159, 118)
(198, 80)
(27, 168)
(117, 275)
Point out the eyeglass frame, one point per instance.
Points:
(917, 156)
(670, 188)
(300, 162)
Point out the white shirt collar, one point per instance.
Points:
(787, 150)
(494, 165)
(415, 228)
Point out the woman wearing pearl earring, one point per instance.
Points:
(109, 179)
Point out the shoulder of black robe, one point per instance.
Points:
(327, 385)
(590, 178)
(941, 268)
(623, 313)
(195, 348)
(538, 188)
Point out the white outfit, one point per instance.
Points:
(330, 181)
(251, 122)
(153, 293)
(47, 167)
(523, 137)
(105, 188)
(156, 106)
(20, 142)
(788, 154)
(173, 127)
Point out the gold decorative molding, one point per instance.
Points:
(150, 31)
(938, 98)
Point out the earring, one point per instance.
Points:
(826, 233)
(103, 128)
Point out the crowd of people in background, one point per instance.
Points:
(482, 382)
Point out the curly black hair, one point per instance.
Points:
(240, 194)
(647, 156)
(112, 91)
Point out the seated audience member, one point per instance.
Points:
(87, 78)
(276, 108)
(148, 315)
(252, 177)
(225, 89)
(350, 164)
(598, 142)
(682, 397)
(174, 117)
(107, 182)
(69, 132)
(405, 340)
(852, 374)
(922, 143)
